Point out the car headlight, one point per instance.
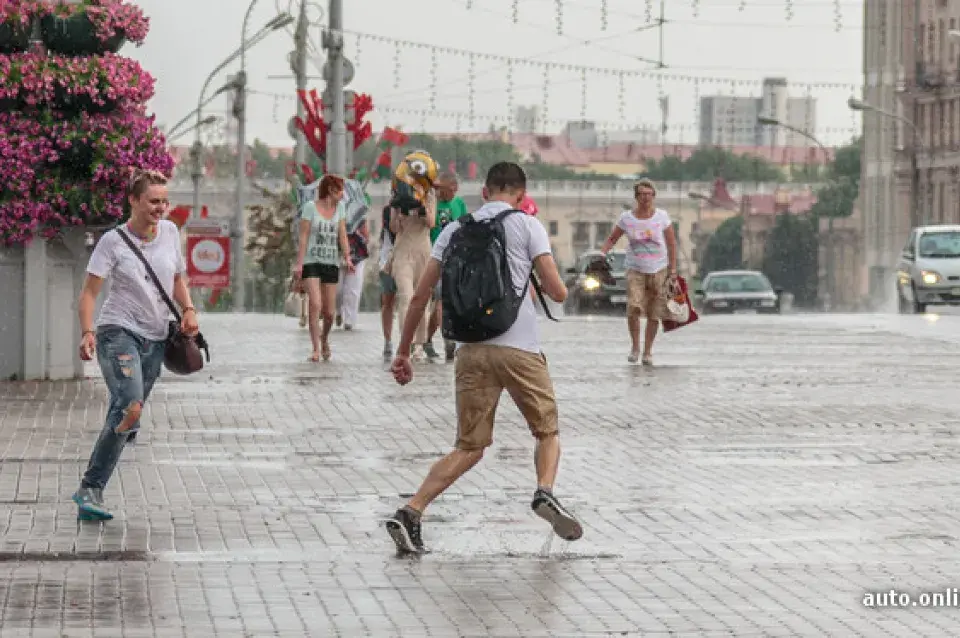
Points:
(590, 283)
(930, 277)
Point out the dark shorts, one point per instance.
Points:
(388, 285)
(326, 273)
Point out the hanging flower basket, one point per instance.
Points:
(76, 35)
(76, 103)
(14, 37)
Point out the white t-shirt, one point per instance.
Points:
(648, 247)
(133, 301)
(526, 240)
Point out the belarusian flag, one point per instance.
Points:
(382, 167)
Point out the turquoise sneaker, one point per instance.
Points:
(89, 500)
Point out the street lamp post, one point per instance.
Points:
(919, 211)
(772, 121)
(240, 111)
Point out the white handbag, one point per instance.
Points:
(292, 305)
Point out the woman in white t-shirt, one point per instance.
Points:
(133, 325)
(651, 263)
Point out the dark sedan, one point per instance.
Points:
(729, 291)
(588, 291)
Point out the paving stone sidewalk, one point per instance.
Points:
(763, 476)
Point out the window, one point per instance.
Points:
(554, 228)
(908, 250)
(741, 282)
(603, 230)
(940, 245)
(581, 232)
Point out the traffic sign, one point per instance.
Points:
(208, 261)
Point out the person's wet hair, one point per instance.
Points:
(506, 177)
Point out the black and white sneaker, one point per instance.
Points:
(404, 529)
(546, 506)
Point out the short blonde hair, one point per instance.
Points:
(142, 179)
(644, 183)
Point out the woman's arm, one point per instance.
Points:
(612, 240)
(431, 206)
(302, 245)
(671, 238)
(88, 302)
(395, 221)
(344, 242)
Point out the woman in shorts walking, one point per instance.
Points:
(322, 242)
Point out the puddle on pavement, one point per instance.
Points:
(369, 460)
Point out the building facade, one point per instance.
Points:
(732, 121)
(886, 178)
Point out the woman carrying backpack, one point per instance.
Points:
(322, 241)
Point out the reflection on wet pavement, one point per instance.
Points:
(755, 482)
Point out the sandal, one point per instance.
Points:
(325, 350)
(314, 358)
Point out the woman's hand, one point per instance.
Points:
(351, 267)
(88, 345)
(189, 324)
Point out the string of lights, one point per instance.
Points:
(604, 125)
(667, 76)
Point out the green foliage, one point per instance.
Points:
(839, 195)
(708, 163)
(725, 248)
(486, 153)
(269, 167)
(790, 257)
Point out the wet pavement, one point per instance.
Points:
(763, 476)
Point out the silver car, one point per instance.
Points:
(929, 269)
(729, 291)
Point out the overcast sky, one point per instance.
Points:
(743, 40)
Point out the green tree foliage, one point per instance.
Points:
(268, 166)
(725, 248)
(838, 196)
(710, 162)
(790, 257)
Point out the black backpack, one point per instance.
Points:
(479, 299)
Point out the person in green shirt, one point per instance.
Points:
(449, 208)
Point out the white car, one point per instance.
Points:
(730, 291)
(929, 269)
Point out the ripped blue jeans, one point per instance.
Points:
(130, 365)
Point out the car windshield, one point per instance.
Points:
(616, 261)
(746, 282)
(940, 244)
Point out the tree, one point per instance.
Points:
(790, 257)
(708, 163)
(267, 165)
(725, 248)
(838, 196)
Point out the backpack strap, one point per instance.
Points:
(470, 219)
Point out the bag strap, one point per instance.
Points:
(543, 302)
(153, 275)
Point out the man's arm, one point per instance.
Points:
(418, 304)
(549, 277)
